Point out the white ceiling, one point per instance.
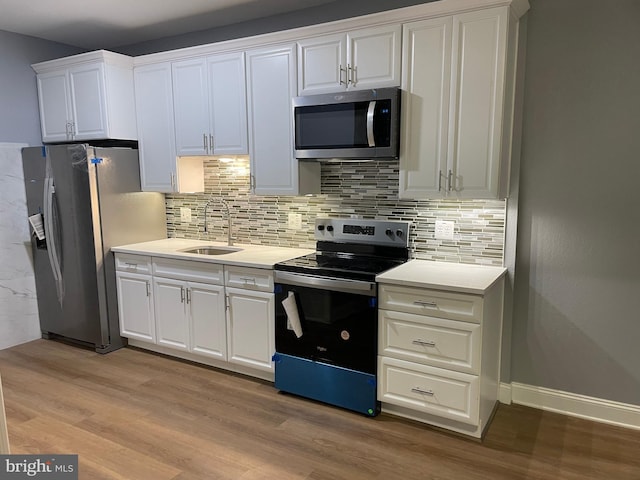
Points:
(93, 24)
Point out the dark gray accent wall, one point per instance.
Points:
(577, 303)
(19, 118)
(337, 10)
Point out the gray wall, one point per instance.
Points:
(19, 119)
(577, 306)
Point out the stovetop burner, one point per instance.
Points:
(353, 249)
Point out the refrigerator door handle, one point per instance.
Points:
(51, 235)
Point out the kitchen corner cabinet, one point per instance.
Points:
(271, 86)
(439, 355)
(135, 297)
(250, 317)
(365, 58)
(210, 106)
(86, 97)
(457, 105)
(160, 169)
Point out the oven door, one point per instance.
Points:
(338, 318)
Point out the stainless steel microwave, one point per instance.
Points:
(358, 125)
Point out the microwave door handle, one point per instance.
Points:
(370, 114)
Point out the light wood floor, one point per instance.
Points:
(136, 416)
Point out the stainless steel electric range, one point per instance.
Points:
(327, 311)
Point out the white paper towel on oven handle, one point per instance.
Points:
(293, 317)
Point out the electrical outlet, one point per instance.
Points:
(444, 230)
(185, 214)
(295, 221)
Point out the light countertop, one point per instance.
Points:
(464, 278)
(257, 256)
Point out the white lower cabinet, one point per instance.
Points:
(183, 308)
(190, 316)
(251, 327)
(207, 337)
(135, 297)
(439, 355)
(250, 317)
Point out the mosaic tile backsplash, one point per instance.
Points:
(363, 190)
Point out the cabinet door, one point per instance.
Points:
(171, 319)
(477, 86)
(322, 64)
(251, 330)
(135, 306)
(374, 57)
(271, 86)
(426, 54)
(154, 115)
(227, 105)
(88, 102)
(207, 319)
(55, 106)
(191, 107)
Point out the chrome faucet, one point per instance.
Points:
(226, 206)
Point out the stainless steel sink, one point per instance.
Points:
(211, 250)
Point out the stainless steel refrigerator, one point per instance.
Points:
(88, 199)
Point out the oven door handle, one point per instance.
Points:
(357, 287)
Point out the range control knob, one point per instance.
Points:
(320, 228)
(329, 228)
(389, 232)
(399, 233)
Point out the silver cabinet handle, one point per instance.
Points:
(439, 180)
(173, 181)
(182, 294)
(422, 303)
(188, 295)
(204, 143)
(211, 143)
(449, 180)
(424, 343)
(148, 289)
(248, 280)
(132, 265)
(422, 392)
(252, 183)
(354, 75)
(340, 70)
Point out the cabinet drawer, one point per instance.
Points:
(204, 272)
(126, 262)
(436, 303)
(432, 390)
(430, 340)
(249, 278)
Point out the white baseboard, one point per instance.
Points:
(572, 404)
(504, 394)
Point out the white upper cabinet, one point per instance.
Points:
(366, 58)
(210, 105)
(190, 105)
(154, 107)
(160, 169)
(455, 92)
(271, 85)
(87, 97)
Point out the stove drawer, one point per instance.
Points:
(431, 390)
(435, 303)
(430, 341)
